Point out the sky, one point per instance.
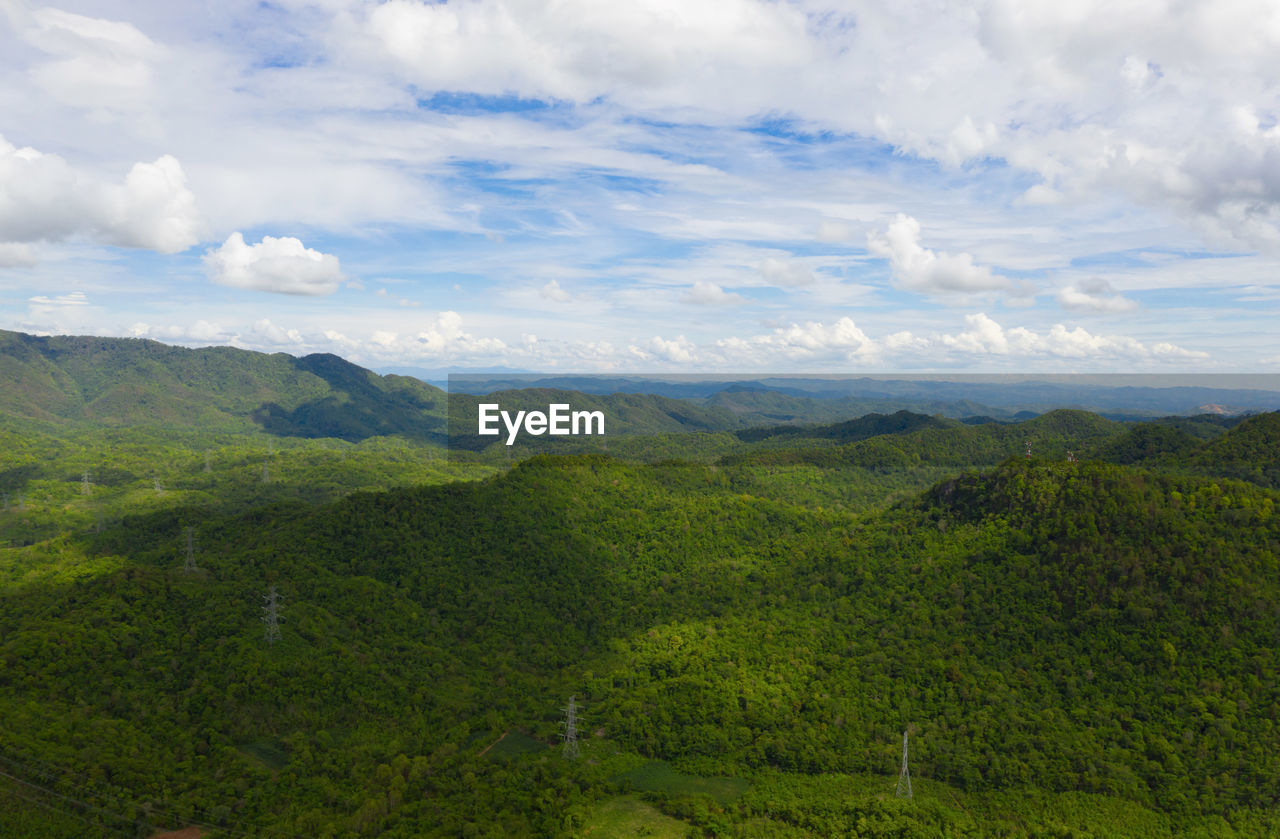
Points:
(667, 185)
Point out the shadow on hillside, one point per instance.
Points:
(361, 407)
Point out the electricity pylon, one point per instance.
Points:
(189, 564)
(570, 730)
(904, 777)
(271, 615)
(159, 491)
(1028, 450)
(84, 483)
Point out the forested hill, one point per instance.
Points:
(63, 382)
(1042, 628)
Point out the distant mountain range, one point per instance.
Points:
(62, 381)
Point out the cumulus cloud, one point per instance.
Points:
(447, 336)
(710, 294)
(680, 350)
(283, 265)
(42, 198)
(1094, 295)
(266, 332)
(985, 337)
(916, 268)
(842, 340)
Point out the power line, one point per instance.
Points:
(47, 791)
(63, 812)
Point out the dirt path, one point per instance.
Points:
(494, 743)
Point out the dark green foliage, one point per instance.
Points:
(1249, 451)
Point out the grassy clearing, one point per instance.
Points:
(627, 816)
(658, 776)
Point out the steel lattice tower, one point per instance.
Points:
(271, 615)
(189, 564)
(904, 777)
(570, 729)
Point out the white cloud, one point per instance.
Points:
(98, 64)
(666, 51)
(75, 298)
(814, 341)
(283, 265)
(266, 332)
(553, 291)
(905, 341)
(834, 231)
(1092, 99)
(985, 337)
(42, 198)
(202, 331)
(709, 294)
(1094, 295)
(680, 350)
(785, 272)
(447, 337)
(917, 268)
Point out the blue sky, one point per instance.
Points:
(651, 186)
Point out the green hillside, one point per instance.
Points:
(66, 382)
(1043, 629)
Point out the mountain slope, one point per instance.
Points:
(67, 381)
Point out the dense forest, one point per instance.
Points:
(1078, 643)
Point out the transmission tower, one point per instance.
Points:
(271, 615)
(1028, 450)
(570, 729)
(1071, 456)
(266, 475)
(159, 491)
(904, 777)
(84, 483)
(189, 564)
